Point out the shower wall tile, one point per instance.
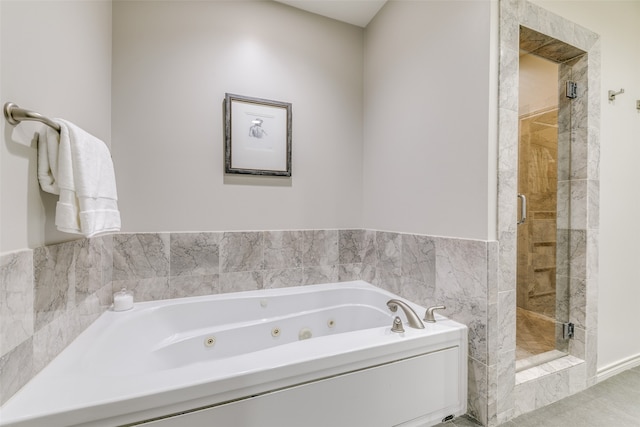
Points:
(16, 299)
(282, 249)
(140, 256)
(152, 289)
(194, 254)
(54, 279)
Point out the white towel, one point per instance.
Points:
(77, 166)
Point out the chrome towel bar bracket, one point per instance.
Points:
(15, 115)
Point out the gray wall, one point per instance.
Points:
(426, 139)
(173, 63)
(617, 24)
(55, 59)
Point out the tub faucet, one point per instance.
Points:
(429, 317)
(412, 317)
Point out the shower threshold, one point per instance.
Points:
(538, 359)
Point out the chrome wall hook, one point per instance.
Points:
(613, 94)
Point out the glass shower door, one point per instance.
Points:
(542, 282)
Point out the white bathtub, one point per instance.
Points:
(306, 356)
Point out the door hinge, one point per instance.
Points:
(567, 331)
(572, 90)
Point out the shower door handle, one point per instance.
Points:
(523, 208)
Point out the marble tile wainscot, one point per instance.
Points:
(49, 295)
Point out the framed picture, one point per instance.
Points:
(257, 136)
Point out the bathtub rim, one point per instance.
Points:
(205, 392)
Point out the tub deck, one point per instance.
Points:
(103, 379)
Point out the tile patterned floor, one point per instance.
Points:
(614, 402)
(535, 334)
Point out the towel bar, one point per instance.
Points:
(15, 115)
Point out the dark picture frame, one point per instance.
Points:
(257, 136)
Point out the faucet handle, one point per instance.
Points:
(397, 325)
(429, 317)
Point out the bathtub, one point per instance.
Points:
(304, 356)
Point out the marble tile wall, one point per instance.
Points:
(579, 169)
(171, 265)
(431, 270)
(49, 295)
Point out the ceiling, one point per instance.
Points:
(356, 12)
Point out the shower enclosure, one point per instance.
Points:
(544, 190)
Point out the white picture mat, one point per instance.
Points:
(259, 136)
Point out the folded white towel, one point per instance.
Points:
(77, 166)
(48, 161)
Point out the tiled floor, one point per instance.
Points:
(535, 334)
(614, 402)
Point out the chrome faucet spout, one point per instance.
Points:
(412, 317)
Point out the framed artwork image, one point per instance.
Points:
(257, 136)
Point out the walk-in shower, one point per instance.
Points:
(546, 91)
